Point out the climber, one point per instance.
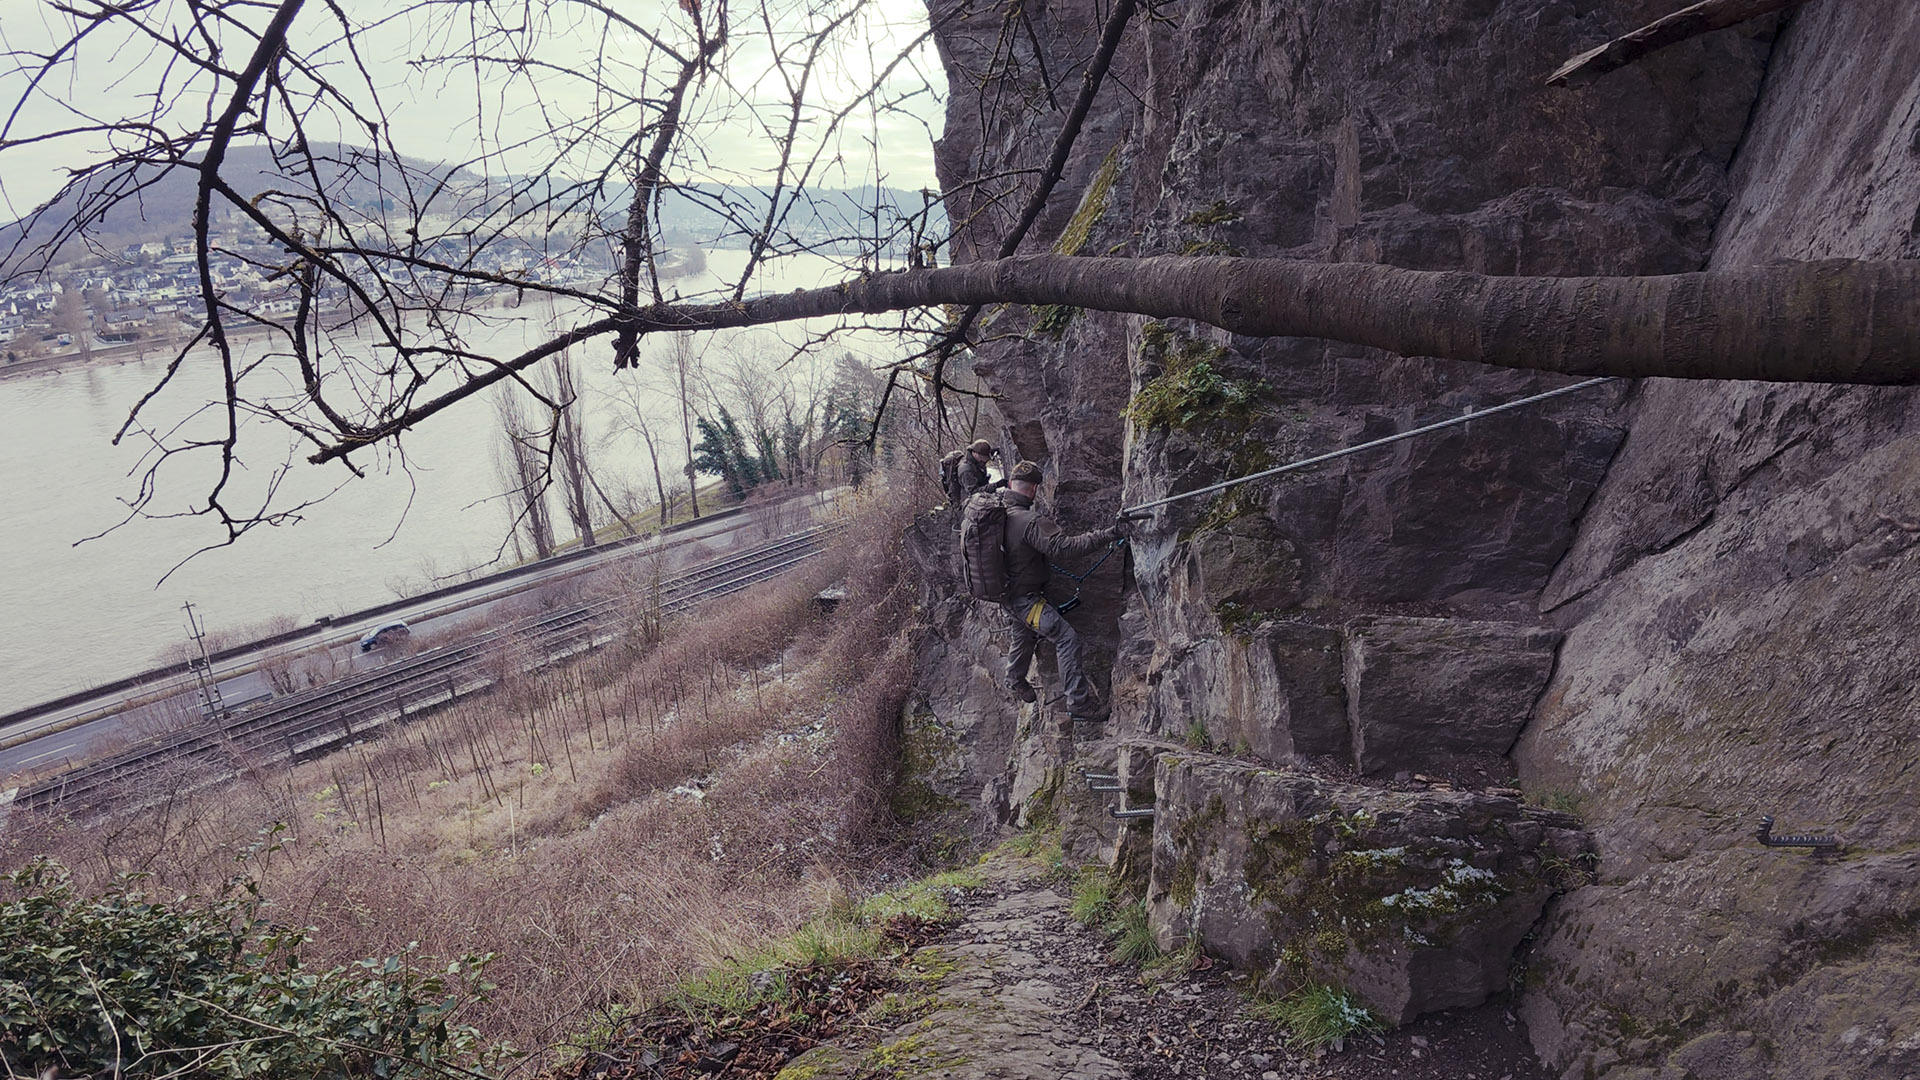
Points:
(1033, 542)
(963, 472)
(973, 470)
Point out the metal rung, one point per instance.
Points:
(1114, 811)
(1090, 777)
(1091, 786)
(1819, 843)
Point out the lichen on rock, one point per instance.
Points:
(1413, 901)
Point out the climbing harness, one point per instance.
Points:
(1145, 510)
(1073, 601)
(1819, 844)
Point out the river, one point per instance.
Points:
(77, 612)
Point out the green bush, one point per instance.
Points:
(124, 985)
(1190, 393)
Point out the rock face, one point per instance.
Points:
(1413, 901)
(1423, 693)
(1741, 612)
(1694, 603)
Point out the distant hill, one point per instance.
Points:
(162, 206)
(159, 203)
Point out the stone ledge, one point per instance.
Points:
(1415, 901)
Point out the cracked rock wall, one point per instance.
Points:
(1741, 618)
(1694, 585)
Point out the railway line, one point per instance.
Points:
(320, 719)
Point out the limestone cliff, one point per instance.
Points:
(1682, 600)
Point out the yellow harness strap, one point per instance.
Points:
(1033, 615)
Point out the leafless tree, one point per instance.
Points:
(384, 273)
(635, 400)
(526, 469)
(570, 448)
(684, 358)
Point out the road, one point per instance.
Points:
(61, 737)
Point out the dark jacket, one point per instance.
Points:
(973, 477)
(1033, 539)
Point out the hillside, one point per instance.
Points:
(159, 205)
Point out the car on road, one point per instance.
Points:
(387, 633)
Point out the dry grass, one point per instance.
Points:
(607, 827)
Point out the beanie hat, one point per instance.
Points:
(982, 446)
(1026, 472)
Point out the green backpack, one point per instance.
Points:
(983, 546)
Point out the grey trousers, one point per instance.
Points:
(1030, 624)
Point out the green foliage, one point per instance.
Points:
(1094, 895)
(1189, 392)
(1317, 1016)
(1237, 618)
(1175, 964)
(844, 935)
(1133, 934)
(121, 984)
(1041, 843)
(1196, 736)
(1053, 318)
(728, 453)
(1566, 802)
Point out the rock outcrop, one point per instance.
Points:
(1690, 604)
(1413, 901)
(1741, 604)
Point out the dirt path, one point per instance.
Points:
(1020, 990)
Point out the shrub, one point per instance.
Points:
(123, 985)
(1190, 393)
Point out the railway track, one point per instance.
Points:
(317, 720)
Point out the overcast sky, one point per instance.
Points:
(453, 110)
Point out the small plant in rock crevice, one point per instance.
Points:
(1196, 736)
(1317, 1016)
(1095, 893)
(1191, 393)
(1134, 942)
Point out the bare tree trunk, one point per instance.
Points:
(659, 484)
(625, 522)
(526, 469)
(682, 361)
(569, 441)
(1832, 321)
(1836, 320)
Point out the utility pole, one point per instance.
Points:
(211, 707)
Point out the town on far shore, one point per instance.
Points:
(147, 294)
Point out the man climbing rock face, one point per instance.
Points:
(973, 470)
(1033, 541)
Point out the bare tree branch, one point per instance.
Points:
(1689, 22)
